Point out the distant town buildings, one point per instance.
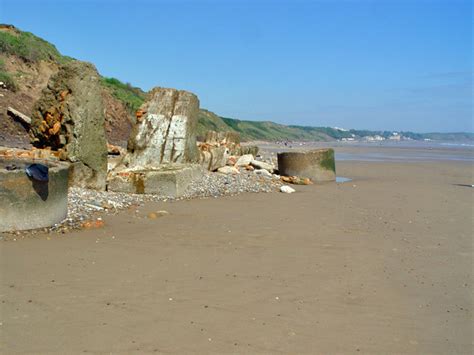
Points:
(394, 136)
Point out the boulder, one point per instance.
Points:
(69, 117)
(228, 170)
(263, 172)
(317, 165)
(286, 189)
(262, 165)
(244, 160)
(165, 132)
(214, 158)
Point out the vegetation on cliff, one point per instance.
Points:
(27, 46)
(131, 96)
(7, 78)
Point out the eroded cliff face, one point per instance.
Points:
(69, 117)
(30, 70)
(165, 130)
(30, 79)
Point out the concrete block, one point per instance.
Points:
(26, 203)
(167, 181)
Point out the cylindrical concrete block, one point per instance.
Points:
(26, 203)
(318, 165)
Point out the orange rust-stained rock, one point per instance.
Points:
(139, 115)
(152, 215)
(44, 126)
(93, 224)
(43, 154)
(296, 180)
(55, 129)
(63, 94)
(231, 161)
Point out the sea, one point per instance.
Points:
(398, 151)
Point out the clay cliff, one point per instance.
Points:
(27, 63)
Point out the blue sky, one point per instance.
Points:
(387, 64)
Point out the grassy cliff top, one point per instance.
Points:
(27, 46)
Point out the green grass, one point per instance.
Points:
(208, 121)
(258, 130)
(131, 96)
(270, 131)
(29, 47)
(7, 78)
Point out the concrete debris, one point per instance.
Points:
(317, 165)
(165, 130)
(20, 117)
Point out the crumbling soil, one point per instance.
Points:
(118, 120)
(32, 78)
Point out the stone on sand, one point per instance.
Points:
(245, 160)
(228, 170)
(214, 157)
(262, 165)
(286, 189)
(263, 172)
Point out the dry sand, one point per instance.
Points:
(382, 264)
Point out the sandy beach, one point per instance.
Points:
(380, 264)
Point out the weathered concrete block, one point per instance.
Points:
(166, 133)
(26, 203)
(318, 165)
(167, 180)
(69, 117)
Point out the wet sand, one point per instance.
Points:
(382, 264)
